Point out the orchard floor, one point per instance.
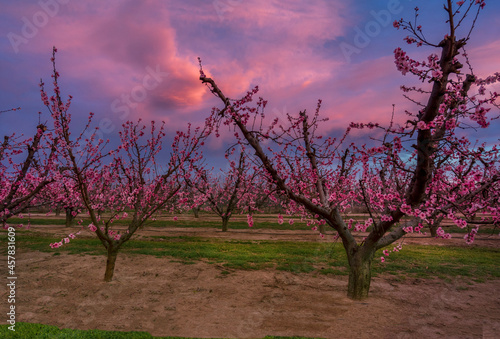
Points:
(164, 298)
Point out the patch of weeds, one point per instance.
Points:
(242, 265)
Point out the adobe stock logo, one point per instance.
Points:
(40, 19)
(138, 94)
(371, 29)
(127, 102)
(223, 6)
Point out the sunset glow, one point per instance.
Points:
(111, 54)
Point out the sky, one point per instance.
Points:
(125, 59)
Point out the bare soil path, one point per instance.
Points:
(204, 300)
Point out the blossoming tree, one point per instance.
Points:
(417, 170)
(129, 182)
(63, 195)
(27, 167)
(231, 191)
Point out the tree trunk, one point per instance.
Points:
(433, 229)
(196, 212)
(225, 221)
(69, 217)
(321, 228)
(110, 263)
(359, 275)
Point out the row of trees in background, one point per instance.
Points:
(240, 189)
(416, 174)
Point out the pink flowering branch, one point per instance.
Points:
(407, 175)
(128, 179)
(233, 191)
(23, 181)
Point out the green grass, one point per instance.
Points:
(38, 221)
(260, 223)
(475, 263)
(293, 256)
(39, 331)
(233, 224)
(483, 229)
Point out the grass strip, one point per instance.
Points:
(476, 263)
(40, 331)
(261, 222)
(194, 223)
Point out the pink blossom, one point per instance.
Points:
(386, 218)
(469, 237)
(442, 234)
(408, 229)
(422, 125)
(280, 219)
(437, 74)
(250, 220)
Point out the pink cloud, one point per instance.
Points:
(484, 58)
(265, 43)
(279, 45)
(112, 50)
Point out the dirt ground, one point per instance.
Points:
(204, 300)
